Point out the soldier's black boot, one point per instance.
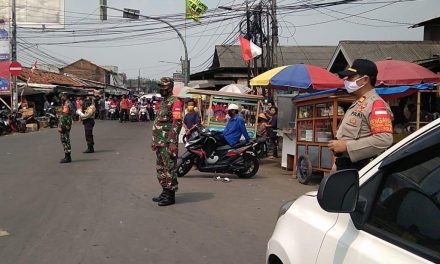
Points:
(169, 198)
(89, 149)
(160, 197)
(67, 158)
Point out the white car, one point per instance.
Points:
(388, 212)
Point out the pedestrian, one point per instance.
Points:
(166, 129)
(88, 119)
(101, 104)
(192, 118)
(272, 134)
(366, 129)
(78, 105)
(125, 107)
(107, 108)
(46, 105)
(262, 126)
(64, 126)
(267, 110)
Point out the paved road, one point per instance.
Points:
(98, 209)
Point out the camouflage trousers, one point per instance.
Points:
(166, 166)
(65, 138)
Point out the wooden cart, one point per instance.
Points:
(213, 109)
(317, 118)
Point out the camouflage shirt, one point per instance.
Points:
(168, 122)
(66, 114)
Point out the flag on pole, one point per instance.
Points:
(249, 49)
(195, 9)
(34, 66)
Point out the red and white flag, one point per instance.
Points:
(249, 49)
(34, 66)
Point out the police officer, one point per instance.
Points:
(88, 119)
(166, 129)
(366, 129)
(64, 126)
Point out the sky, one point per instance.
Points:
(131, 47)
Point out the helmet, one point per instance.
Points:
(232, 107)
(166, 81)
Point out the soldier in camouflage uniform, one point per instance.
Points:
(64, 127)
(166, 129)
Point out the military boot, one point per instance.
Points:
(169, 198)
(89, 149)
(160, 197)
(67, 158)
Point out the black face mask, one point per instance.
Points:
(164, 92)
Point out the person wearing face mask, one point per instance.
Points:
(166, 129)
(191, 119)
(88, 119)
(366, 129)
(64, 126)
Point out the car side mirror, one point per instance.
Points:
(339, 191)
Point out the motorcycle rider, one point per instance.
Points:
(235, 128)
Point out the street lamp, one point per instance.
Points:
(135, 14)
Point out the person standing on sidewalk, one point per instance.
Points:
(366, 129)
(64, 126)
(166, 129)
(88, 119)
(271, 133)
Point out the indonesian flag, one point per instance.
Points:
(249, 49)
(34, 66)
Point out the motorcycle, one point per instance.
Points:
(240, 159)
(133, 114)
(18, 124)
(51, 116)
(143, 113)
(5, 128)
(261, 148)
(112, 113)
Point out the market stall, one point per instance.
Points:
(319, 114)
(213, 109)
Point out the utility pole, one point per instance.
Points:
(14, 53)
(274, 34)
(248, 29)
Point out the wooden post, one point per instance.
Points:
(418, 111)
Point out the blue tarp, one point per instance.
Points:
(380, 91)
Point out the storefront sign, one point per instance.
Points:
(4, 58)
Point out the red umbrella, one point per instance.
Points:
(396, 72)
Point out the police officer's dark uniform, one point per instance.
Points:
(366, 129)
(88, 119)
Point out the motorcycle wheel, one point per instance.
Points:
(251, 165)
(184, 166)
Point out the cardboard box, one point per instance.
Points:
(31, 128)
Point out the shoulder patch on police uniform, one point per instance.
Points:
(380, 120)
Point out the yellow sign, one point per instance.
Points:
(195, 9)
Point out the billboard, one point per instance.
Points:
(35, 13)
(4, 58)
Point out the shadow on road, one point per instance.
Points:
(193, 197)
(104, 150)
(84, 160)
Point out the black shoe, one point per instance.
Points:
(89, 150)
(67, 159)
(160, 197)
(169, 198)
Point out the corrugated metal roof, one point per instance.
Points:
(230, 56)
(43, 77)
(433, 21)
(412, 51)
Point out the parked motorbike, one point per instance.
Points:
(18, 124)
(133, 114)
(143, 113)
(51, 116)
(5, 128)
(240, 159)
